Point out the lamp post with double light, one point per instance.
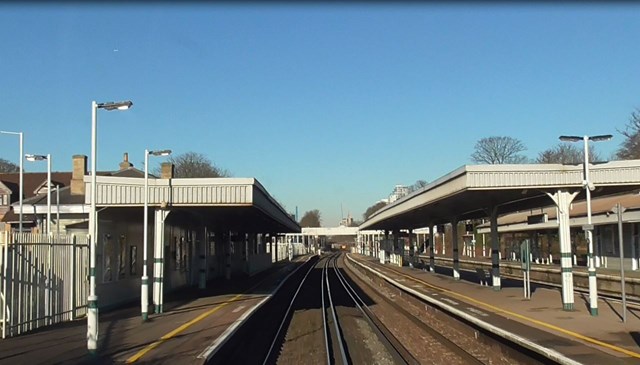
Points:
(588, 187)
(21, 185)
(92, 300)
(34, 158)
(144, 295)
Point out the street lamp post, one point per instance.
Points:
(33, 158)
(588, 186)
(21, 185)
(92, 299)
(144, 294)
(58, 211)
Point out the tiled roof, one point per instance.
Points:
(130, 172)
(31, 181)
(34, 180)
(14, 217)
(65, 198)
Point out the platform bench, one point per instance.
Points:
(424, 264)
(483, 276)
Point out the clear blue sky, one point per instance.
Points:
(325, 104)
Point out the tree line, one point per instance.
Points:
(504, 150)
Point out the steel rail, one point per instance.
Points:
(332, 307)
(286, 315)
(325, 327)
(452, 346)
(400, 354)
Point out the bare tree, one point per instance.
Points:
(311, 219)
(372, 209)
(7, 166)
(630, 147)
(355, 223)
(499, 150)
(566, 153)
(193, 164)
(419, 184)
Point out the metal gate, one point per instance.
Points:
(44, 280)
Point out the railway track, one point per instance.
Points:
(454, 349)
(340, 308)
(398, 354)
(329, 313)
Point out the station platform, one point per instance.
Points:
(581, 337)
(612, 272)
(193, 320)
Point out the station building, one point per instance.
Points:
(198, 229)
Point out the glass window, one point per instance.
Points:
(212, 245)
(133, 260)
(108, 253)
(122, 257)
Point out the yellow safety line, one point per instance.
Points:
(544, 324)
(176, 331)
(183, 327)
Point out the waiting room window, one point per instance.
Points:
(133, 260)
(122, 256)
(108, 253)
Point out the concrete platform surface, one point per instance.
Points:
(192, 320)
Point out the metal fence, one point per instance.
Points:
(44, 280)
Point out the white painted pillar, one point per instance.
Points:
(454, 243)
(432, 244)
(563, 201)
(362, 247)
(484, 246)
(384, 244)
(634, 241)
(275, 246)
(549, 254)
(271, 248)
(160, 215)
(473, 247)
(598, 245)
(363, 242)
(495, 249)
(411, 246)
(372, 244)
(465, 247)
(444, 250)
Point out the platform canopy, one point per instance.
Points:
(472, 191)
(235, 203)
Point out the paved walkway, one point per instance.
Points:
(602, 339)
(192, 321)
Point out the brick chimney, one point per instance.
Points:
(166, 170)
(125, 164)
(78, 173)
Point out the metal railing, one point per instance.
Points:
(43, 280)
